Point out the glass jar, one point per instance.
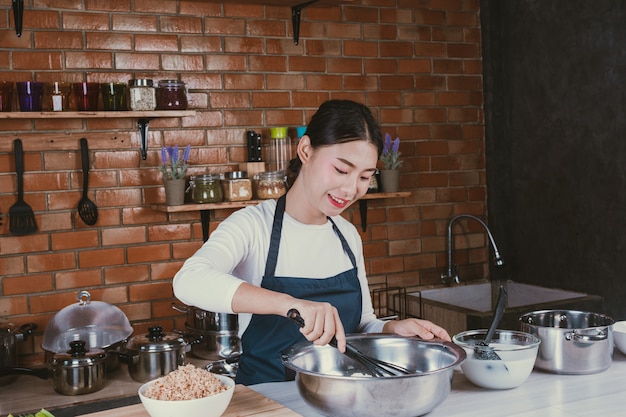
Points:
(237, 186)
(206, 188)
(171, 95)
(142, 95)
(270, 184)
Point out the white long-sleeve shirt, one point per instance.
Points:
(237, 251)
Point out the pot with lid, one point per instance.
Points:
(154, 354)
(572, 342)
(10, 335)
(74, 372)
(101, 325)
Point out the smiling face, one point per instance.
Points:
(331, 178)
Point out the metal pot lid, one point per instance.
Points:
(156, 341)
(78, 356)
(98, 323)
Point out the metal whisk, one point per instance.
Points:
(372, 366)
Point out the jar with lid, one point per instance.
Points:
(270, 184)
(280, 149)
(237, 186)
(171, 95)
(206, 188)
(142, 94)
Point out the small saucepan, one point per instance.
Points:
(75, 372)
(10, 335)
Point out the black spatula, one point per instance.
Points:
(86, 208)
(21, 217)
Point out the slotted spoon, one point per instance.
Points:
(87, 210)
(21, 217)
(373, 367)
(482, 351)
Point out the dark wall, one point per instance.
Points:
(555, 109)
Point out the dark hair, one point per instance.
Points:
(339, 121)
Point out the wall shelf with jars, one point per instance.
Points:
(143, 118)
(205, 209)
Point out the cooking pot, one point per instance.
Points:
(9, 336)
(153, 355)
(213, 345)
(207, 321)
(77, 371)
(101, 325)
(572, 342)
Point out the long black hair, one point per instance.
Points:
(339, 121)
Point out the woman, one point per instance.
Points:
(298, 252)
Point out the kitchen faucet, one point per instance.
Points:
(451, 275)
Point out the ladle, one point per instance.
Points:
(482, 351)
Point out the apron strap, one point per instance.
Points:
(272, 255)
(344, 243)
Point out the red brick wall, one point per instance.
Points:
(417, 67)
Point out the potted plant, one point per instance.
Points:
(174, 168)
(390, 174)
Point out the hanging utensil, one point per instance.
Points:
(18, 16)
(372, 366)
(21, 217)
(86, 208)
(483, 351)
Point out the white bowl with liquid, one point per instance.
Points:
(517, 352)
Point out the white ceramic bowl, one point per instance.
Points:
(619, 335)
(210, 406)
(517, 351)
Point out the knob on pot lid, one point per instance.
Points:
(78, 355)
(100, 324)
(156, 341)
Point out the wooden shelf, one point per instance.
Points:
(205, 209)
(96, 114)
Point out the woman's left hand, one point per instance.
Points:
(416, 327)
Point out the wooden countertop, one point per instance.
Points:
(245, 403)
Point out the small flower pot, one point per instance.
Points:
(175, 191)
(389, 179)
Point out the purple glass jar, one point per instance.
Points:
(171, 95)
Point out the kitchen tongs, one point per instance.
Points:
(372, 366)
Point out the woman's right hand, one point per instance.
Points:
(321, 323)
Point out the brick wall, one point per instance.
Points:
(417, 67)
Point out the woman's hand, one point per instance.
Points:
(321, 323)
(416, 327)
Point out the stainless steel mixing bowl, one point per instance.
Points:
(333, 384)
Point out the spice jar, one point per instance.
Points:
(270, 184)
(206, 188)
(171, 95)
(237, 186)
(142, 95)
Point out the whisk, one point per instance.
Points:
(372, 366)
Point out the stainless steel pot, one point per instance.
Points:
(207, 321)
(214, 345)
(10, 335)
(572, 342)
(325, 378)
(75, 372)
(153, 355)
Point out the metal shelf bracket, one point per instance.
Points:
(142, 124)
(295, 19)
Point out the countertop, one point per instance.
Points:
(542, 395)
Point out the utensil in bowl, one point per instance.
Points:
(210, 406)
(372, 366)
(87, 210)
(21, 217)
(326, 381)
(482, 351)
(516, 352)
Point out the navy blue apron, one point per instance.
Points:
(268, 335)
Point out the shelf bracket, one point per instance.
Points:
(363, 212)
(205, 219)
(142, 124)
(18, 16)
(295, 19)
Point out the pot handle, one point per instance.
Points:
(43, 373)
(125, 356)
(25, 330)
(181, 308)
(586, 338)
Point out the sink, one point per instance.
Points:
(464, 307)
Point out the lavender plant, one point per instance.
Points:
(172, 165)
(391, 155)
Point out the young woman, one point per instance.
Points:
(298, 252)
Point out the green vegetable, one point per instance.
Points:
(41, 413)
